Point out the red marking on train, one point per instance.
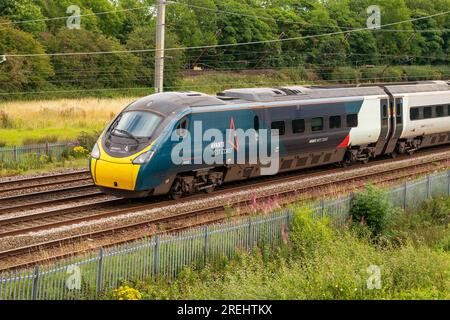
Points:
(233, 142)
(344, 144)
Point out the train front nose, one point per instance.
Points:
(113, 175)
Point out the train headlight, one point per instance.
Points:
(95, 152)
(144, 158)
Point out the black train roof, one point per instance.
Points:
(170, 102)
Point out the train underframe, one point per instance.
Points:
(208, 179)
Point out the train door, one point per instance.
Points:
(385, 127)
(396, 124)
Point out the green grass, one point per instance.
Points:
(321, 262)
(45, 167)
(16, 137)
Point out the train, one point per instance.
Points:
(313, 126)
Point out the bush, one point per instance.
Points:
(371, 207)
(87, 140)
(80, 152)
(127, 293)
(438, 211)
(308, 233)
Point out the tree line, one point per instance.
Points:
(40, 26)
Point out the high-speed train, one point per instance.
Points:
(314, 126)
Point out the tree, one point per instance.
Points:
(22, 73)
(112, 70)
(23, 10)
(144, 38)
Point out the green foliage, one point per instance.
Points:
(24, 10)
(85, 71)
(372, 207)
(87, 140)
(198, 23)
(22, 73)
(345, 75)
(307, 233)
(319, 263)
(420, 73)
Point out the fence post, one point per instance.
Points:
(322, 208)
(405, 195)
(448, 182)
(34, 288)
(250, 240)
(156, 256)
(47, 151)
(99, 271)
(428, 187)
(205, 252)
(15, 153)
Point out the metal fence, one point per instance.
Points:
(409, 196)
(31, 155)
(165, 256)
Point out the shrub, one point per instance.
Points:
(127, 293)
(308, 233)
(87, 140)
(80, 152)
(371, 207)
(438, 211)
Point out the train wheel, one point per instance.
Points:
(210, 189)
(176, 191)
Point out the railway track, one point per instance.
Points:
(211, 213)
(43, 181)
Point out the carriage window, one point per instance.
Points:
(317, 124)
(278, 125)
(298, 125)
(385, 111)
(256, 123)
(439, 111)
(352, 120)
(427, 112)
(414, 114)
(448, 110)
(335, 122)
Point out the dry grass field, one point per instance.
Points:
(26, 122)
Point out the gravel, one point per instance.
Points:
(204, 203)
